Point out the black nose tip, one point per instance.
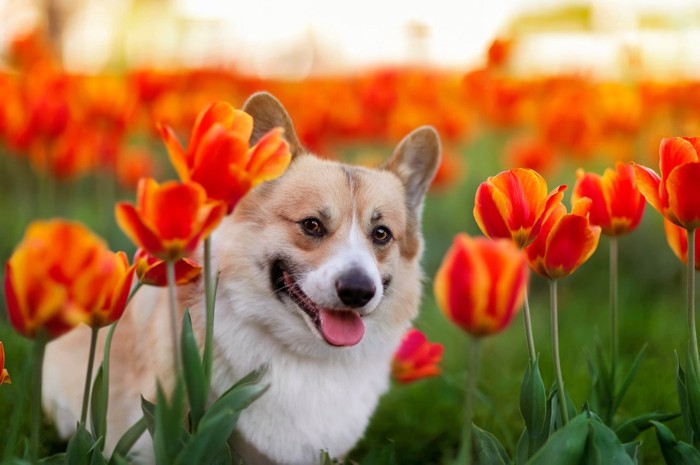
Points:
(355, 289)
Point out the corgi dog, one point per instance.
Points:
(319, 278)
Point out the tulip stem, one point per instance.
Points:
(170, 270)
(528, 329)
(464, 457)
(691, 299)
(209, 304)
(88, 375)
(555, 349)
(38, 356)
(613, 310)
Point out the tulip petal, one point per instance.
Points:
(209, 217)
(491, 208)
(684, 195)
(141, 234)
(175, 152)
(269, 157)
(591, 185)
(673, 152)
(175, 209)
(553, 201)
(677, 239)
(648, 183)
(571, 242)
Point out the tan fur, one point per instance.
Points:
(321, 396)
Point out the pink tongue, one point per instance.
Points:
(341, 328)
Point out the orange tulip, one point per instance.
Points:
(169, 220)
(677, 238)
(218, 155)
(481, 283)
(4, 375)
(514, 204)
(152, 271)
(416, 358)
(676, 194)
(565, 242)
(617, 205)
(61, 275)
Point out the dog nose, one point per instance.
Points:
(355, 289)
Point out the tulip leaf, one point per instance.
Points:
(602, 383)
(195, 380)
(627, 382)
(168, 435)
(56, 459)
(218, 423)
(385, 455)
(604, 447)
(149, 415)
(566, 446)
(632, 449)
(486, 448)
(98, 406)
(675, 452)
(522, 450)
(693, 398)
(128, 439)
(80, 447)
(533, 406)
(629, 430)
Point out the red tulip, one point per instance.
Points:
(152, 271)
(676, 194)
(416, 358)
(481, 283)
(61, 275)
(4, 375)
(617, 205)
(169, 220)
(219, 157)
(565, 242)
(514, 204)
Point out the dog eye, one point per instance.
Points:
(313, 227)
(381, 235)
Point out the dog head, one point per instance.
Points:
(327, 254)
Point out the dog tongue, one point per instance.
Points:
(341, 328)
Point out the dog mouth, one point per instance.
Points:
(341, 328)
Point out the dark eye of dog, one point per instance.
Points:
(381, 235)
(313, 227)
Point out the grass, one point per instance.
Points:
(423, 420)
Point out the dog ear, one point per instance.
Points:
(415, 162)
(268, 113)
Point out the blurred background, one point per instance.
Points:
(550, 85)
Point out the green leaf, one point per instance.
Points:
(683, 399)
(602, 383)
(218, 423)
(385, 455)
(486, 448)
(533, 405)
(128, 439)
(168, 437)
(693, 392)
(241, 394)
(566, 446)
(149, 415)
(79, 447)
(629, 430)
(98, 406)
(195, 380)
(522, 451)
(627, 382)
(604, 447)
(632, 449)
(675, 452)
(97, 457)
(56, 459)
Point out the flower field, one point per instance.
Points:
(597, 302)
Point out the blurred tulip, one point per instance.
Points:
(218, 155)
(481, 283)
(416, 358)
(169, 220)
(134, 164)
(677, 238)
(617, 205)
(532, 153)
(4, 375)
(61, 275)
(676, 194)
(565, 241)
(513, 205)
(151, 270)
